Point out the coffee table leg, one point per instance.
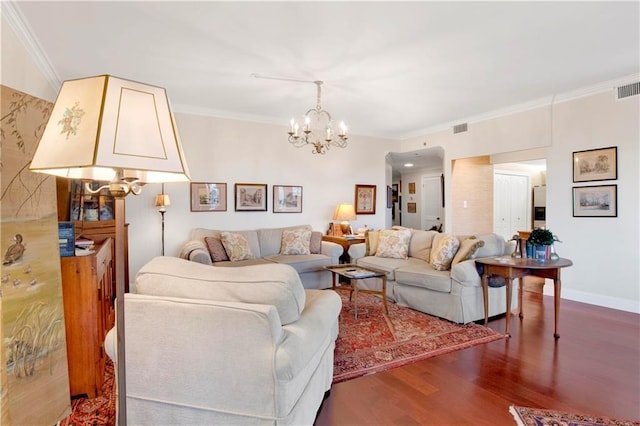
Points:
(556, 304)
(485, 297)
(384, 293)
(354, 286)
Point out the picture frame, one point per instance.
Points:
(412, 187)
(395, 192)
(287, 199)
(365, 199)
(250, 197)
(389, 197)
(595, 201)
(595, 164)
(208, 197)
(412, 208)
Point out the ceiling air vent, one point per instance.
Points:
(459, 128)
(628, 90)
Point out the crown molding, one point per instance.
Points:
(23, 31)
(526, 106)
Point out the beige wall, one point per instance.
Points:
(472, 196)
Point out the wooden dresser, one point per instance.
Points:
(88, 297)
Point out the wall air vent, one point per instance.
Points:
(627, 90)
(459, 128)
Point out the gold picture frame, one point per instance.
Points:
(208, 197)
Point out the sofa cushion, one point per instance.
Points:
(236, 246)
(295, 241)
(241, 263)
(394, 243)
(419, 273)
(250, 235)
(269, 284)
(315, 242)
(386, 264)
(444, 251)
(371, 238)
(420, 244)
(467, 250)
(301, 262)
(216, 249)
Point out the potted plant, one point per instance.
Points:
(541, 240)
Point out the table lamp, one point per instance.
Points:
(345, 212)
(104, 128)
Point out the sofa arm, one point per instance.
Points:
(196, 251)
(356, 251)
(333, 250)
(466, 273)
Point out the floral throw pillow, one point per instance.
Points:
(216, 249)
(295, 241)
(315, 245)
(394, 244)
(467, 250)
(444, 252)
(236, 246)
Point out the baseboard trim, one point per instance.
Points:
(596, 299)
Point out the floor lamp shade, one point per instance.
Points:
(102, 124)
(105, 128)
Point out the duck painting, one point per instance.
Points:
(15, 251)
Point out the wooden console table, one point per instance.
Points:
(345, 243)
(510, 268)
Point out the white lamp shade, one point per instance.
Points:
(344, 212)
(99, 124)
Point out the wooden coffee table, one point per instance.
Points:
(353, 274)
(510, 268)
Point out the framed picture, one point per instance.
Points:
(208, 197)
(411, 208)
(287, 199)
(395, 193)
(389, 197)
(365, 199)
(251, 197)
(595, 201)
(412, 187)
(595, 164)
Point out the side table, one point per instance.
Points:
(510, 268)
(345, 243)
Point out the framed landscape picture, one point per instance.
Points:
(251, 197)
(595, 201)
(595, 164)
(208, 197)
(287, 199)
(365, 199)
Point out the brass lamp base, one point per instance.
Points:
(345, 228)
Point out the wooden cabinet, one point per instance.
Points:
(87, 291)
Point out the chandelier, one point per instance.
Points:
(317, 130)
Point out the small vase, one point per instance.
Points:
(553, 255)
(542, 253)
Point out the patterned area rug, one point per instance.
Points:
(98, 411)
(539, 417)
(377, 342)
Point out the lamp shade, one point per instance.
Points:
(344, 212)
(162, 200)
(103, 124)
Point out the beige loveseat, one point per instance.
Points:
(226, 346)
(454, 294)
(265, 246)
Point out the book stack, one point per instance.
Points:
(84, 246)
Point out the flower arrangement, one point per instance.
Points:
(541, 237)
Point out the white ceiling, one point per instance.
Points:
(391, 69)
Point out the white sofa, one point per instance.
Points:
(226, 346)
(265, 245)
(454, 294)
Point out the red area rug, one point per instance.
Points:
(377, 342)
(540, 417)
(98, 411)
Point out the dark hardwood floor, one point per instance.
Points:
(594, 368)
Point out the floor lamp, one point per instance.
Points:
(162, 201)
(107, 129)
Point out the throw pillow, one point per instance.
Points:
(371, 242)
(394, 244)
(467, 250)
(444, 252)
(315, 245)
(236, 246)
(216, 249)
(295, 241)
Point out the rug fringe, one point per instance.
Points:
(516, 415)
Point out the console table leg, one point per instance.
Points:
(509, 281)
(520, 304)
(556, 305)
(485, 297)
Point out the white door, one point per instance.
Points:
(431, 202)
(511, 195)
